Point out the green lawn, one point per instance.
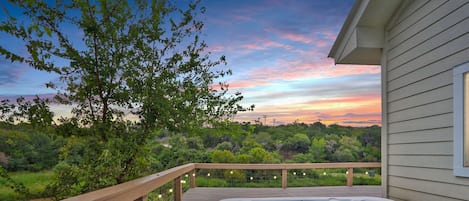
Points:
(333, 179)
(34, 181)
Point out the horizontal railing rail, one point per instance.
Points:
(139, 188)
(288, 166)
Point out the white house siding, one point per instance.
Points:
(423, 44)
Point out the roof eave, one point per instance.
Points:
(361, 38)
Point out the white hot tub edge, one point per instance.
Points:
(309, 199)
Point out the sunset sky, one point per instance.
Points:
(277, 50)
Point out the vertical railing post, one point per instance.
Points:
(284, 178)
(192, 178)
(143, 198)
(177, 189)
(349, 177)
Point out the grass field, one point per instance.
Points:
(296, 178)
(34, 181)
(327, 180)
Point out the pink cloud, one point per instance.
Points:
(260, 44)
(312, 69)
(352, 99)
(329, 35)
(241, 84)
(359, 116)
(252, 47)
(297, 37)
(287, 70)
(321, 43)
(349, 110)
(271, 43)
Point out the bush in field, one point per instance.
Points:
(297, 143)
(234, 175)
(260, 155)
(224, 146)
(224, 156)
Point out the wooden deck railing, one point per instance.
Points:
(139, 188)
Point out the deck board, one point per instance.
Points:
(216, 194)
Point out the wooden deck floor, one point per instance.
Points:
(216, 194)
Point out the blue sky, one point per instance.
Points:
(277, 50)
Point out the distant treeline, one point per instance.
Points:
(25, 149)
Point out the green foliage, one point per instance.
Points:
(244, 158)
(172, 157)
(195, 143)
(105, 159)
(349, 149)
(144, 57)
(264, 139)
(303, 158)
(210, 182)
(37, 112)
(90, 163)
(154, 65)
(298, 143)
(311, 179)
(224, 156)
(28, 150)
(249, 144)
(260, 155)
(234, 176)
(318, 150)
(224, 146)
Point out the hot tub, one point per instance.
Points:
(309, 199)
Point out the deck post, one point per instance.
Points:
(284, 178)
(192, 178)
(177, 189)
(349, 177)
(143, 198)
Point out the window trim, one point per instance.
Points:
(458, 120)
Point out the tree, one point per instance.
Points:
(36, 112)
(141, 57)
(349, 149)
(224, 146)
(147, 58)
(298, 143)
(224, 156)
(318, 149)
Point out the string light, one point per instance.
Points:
(275, 177)
(231, 172)
(324, 173)
(294, 173)
(208, 174)
(251, 178)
